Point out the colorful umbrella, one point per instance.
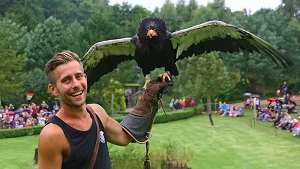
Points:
(271, 99)
(10, 113)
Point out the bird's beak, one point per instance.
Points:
(151, 33)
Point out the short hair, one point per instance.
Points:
(57, 60)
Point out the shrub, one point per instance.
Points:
(28, 131)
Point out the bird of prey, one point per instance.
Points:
(155, 47)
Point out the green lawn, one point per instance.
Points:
(231, 144)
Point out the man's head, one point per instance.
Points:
(67, 79)
(57, 60)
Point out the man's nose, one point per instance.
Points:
(76, 83)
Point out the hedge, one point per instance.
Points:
(160, 118)
(27, 131)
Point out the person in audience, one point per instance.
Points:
(277, 95)
(292, 124)
(223, 109)
(290, 106)
(296, 130)
(277, 118)
(285, 120)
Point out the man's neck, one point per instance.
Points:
(72, 112)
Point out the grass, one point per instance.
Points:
(231, 144)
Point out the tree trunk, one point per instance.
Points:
(252, 85)
(208, 108)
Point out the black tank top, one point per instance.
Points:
(82, 145)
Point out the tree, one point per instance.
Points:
(205, 75)
(115, 88)
(35, 82)
(42, 43)
(291, 9)
(11, 63)
(27, 13)
(167, 13)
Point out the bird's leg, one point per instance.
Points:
(147, 80)
(166, 75)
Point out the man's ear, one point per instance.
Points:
(52, 89)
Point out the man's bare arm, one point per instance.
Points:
(50, 147)
(113, 130)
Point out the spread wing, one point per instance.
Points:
(219, 36)
(103, 57)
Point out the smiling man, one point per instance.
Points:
(76, 137)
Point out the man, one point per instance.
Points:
(68, 140)
(284, 88)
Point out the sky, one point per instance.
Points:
(234, 5)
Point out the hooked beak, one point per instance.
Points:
(151, 33)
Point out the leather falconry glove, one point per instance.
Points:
(138, 123)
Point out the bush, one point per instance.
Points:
(28, 131)
(170, 155)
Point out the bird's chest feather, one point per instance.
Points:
(154, 55)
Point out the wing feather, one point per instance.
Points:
(103, 57)
(219, 36)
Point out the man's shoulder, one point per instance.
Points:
(51, 131)
(98, 109)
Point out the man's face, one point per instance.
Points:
(71, 84)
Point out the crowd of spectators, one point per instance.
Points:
(279, 111)
(225, 109)
(180, 104)
(27, 115)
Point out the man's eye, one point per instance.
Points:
(65, 81)
(79, 76)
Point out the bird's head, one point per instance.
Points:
(151, 33)
(152, 27)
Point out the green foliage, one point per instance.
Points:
(28, 131)
(127, 158)
(26, 13)
(55, 25)
(36, 82)
(11, 62)
(42, 43)
(169, 154)
(114, 89)
(167, 13)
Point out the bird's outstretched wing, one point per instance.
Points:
(103, 57)
(219, 36)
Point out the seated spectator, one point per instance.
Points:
(290, 106)
(238, 112)
(285, 120)
(277, 118)
(227, 110)
(231, 109)
(287, 98)
(297, 129)
(15, 122)
(294, 98)
(292, 124)
(222, 109)
(7, 120)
